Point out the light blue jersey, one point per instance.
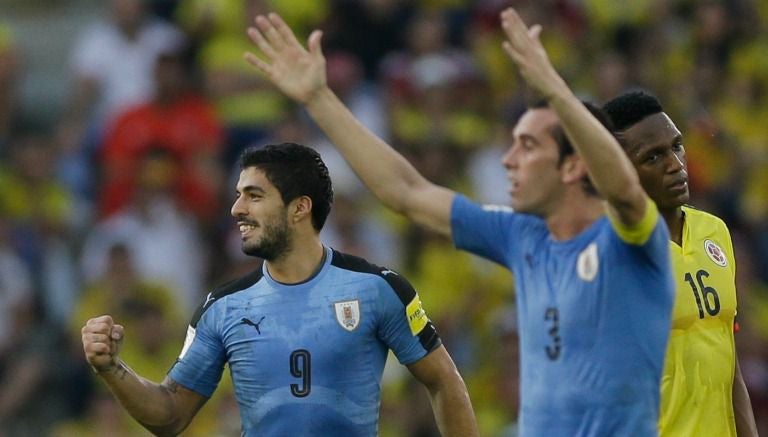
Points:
(306, 359)
(593, 316)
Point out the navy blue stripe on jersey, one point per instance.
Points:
(428, 337)
(223, 290)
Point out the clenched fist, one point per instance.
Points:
(101, 342)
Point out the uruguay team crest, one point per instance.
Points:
(588, 263)
(715, 253)
(348, 314)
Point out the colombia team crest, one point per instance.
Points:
(715, 253)
(348, 314)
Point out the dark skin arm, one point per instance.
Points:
(742, 407)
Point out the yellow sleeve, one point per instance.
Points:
(729, 250)
(638, 233)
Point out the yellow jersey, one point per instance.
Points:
(697, 384)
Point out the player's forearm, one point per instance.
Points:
(742, 407)
(610, 170)
(453, 410)
(384, 171)
(149, 403)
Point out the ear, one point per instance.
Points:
(573, 169)
(300, 209)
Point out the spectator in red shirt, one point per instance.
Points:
(178, 120)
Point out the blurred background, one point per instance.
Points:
(120, 123)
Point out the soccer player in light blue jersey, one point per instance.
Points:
(585, 243)
(306, 336)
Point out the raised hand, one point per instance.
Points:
(101, 342)
(525, 49)
(298, 73)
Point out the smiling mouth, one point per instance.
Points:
(246, 227)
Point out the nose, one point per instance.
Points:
(675, 163)
(237, 209)
(509, 160)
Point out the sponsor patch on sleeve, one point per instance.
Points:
(417, 317)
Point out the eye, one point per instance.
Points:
(526, 144)
(651, 158)
(678, 147)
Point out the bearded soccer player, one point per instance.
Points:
(305, 336)
(587, 246)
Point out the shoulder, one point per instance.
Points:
(220, 292)
(238, 284)
(711, 234)
(474, 216)
(650, 231)
(396, 282)
(462, 203)
(702, 220)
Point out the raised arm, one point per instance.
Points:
(301, 75)
(610, 171)
(447, 393)
(164, 409)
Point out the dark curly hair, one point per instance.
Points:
(295, 170)
(629, 108)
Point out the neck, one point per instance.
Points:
(572, 217)
(299, 263)
(674, 218)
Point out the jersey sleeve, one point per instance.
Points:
(404, 325)
(729, 252)
(639, 233)
(650, 236)
(483, 230)
(731, 256)
(201, 362)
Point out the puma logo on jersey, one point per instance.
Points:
(208, 299)
(245, 321)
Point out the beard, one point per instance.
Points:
(273, 243)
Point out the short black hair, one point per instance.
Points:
(565, 147)
(629, 108)
(295, 171)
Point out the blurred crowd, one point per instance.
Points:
(119, 203)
